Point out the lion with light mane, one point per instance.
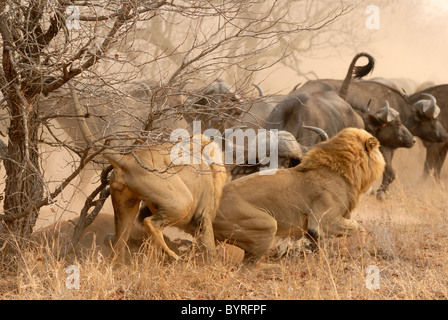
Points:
(313, 199)
(180, 195)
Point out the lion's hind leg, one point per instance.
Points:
(126, 206)
(254, 250)
(204, 234)
(253, 232)
(155, 228)
(331, 225)
(167, 213)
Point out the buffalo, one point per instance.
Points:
(218, 106)
(386, 126)
(322, 109)
(435, 150)
(318, 104)
(214, 105)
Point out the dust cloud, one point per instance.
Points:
(410, 43)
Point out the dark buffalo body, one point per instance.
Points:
(323, 109)
(436, 151)
(360, 92)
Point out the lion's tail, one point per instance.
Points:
(111, 155)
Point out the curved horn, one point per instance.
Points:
(367, 106)
(260, 92)
(323, 135)
(405, 92)
(87, 134)
(431, 110)
(296, 86)
(365, 109)
(431, 97)
(389, 116)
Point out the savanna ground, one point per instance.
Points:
(406, 238)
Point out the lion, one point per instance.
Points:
(58, 236)
(186, 196)
(313, 199)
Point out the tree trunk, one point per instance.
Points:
(24, 186)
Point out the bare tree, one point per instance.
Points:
(129, 59)
(41, 53)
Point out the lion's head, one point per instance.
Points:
(353, 153)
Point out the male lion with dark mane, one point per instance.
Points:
(314, 198)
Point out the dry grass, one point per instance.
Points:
(406, 238)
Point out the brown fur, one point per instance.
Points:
(185, 196)
(315, 197)
(59, 235)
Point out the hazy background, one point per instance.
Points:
(410, 43)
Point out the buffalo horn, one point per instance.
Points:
(323, 135)
(260, 92)
(431, 110)
(296, 86)
(390, 115)
(387, 114)
(405, 93)
(367, 106)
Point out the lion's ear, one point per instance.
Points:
(371, 143)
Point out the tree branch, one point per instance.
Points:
(84, 160)
(121, 18)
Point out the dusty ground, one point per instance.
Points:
(402, 255)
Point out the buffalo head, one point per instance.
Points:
(214, 105)
(425, 122)
(291, 152)
(386, 126)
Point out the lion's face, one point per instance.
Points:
(353, 153)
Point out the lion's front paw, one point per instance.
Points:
(380, 195)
